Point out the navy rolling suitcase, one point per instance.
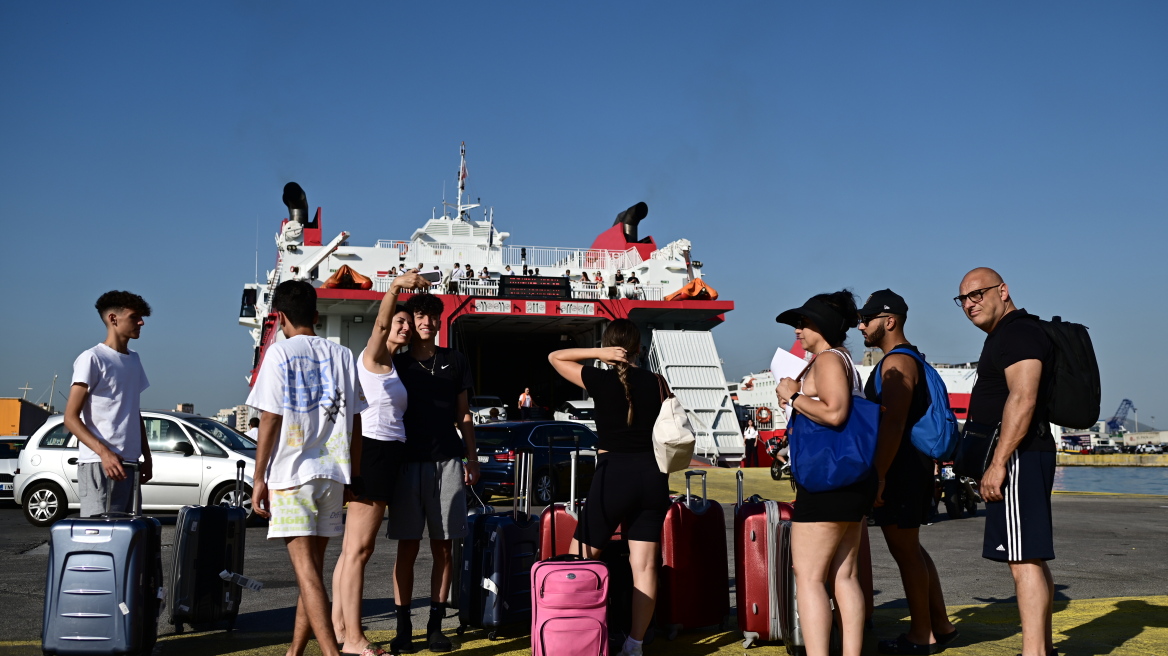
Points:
(208, 549)
(103, 592)
(498, 553)
(457, 550)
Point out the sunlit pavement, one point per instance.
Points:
(1130, 626)
(1109, 576)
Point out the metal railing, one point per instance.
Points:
(550, 260)
(589, 291)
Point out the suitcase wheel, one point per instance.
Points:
(178, 627)
(461, 630)
(493, 635)
(673, 631)
(748, 638)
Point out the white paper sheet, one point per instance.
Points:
(786, 365)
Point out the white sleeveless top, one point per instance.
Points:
(386, 395)
(857, 385)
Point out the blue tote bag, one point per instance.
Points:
(826, 458)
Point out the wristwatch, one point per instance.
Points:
(791, 401)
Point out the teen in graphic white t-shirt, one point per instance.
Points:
(104, 408)
(311, 400)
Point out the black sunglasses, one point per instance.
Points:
(872, 317)
(975, 295)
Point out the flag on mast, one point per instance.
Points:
(462, 171)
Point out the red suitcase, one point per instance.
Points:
(567, 515)
(693, 587)
(756, 565)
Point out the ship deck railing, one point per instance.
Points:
(581, 290)
(550, 259)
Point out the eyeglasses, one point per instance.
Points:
(975, 295)
(870, 319)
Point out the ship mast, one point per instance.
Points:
(460, 209)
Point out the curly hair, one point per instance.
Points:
(116, 300)
(427, 304)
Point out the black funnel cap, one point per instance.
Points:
(297, 202)
(630, 218)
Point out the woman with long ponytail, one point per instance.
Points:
(627, 489)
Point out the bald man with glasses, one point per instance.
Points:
(1013, 381)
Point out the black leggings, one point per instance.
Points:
(627, 490)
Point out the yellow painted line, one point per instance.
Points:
(1113, 494)
(1120, 626)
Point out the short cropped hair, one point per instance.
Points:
(425, 304)
(115, 300)
(254, 422)
(297, 300)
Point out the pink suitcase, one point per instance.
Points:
(569, 605)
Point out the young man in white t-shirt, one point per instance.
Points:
(308, 392)
(104, 408)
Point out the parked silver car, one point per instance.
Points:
(9, 453)
(194, 464)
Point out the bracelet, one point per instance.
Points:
(791, 401)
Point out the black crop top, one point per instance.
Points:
(615, 434)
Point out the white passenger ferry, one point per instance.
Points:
(506, 322)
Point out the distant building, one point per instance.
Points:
(21, 417)
(226, 416)
(188, 408)
(242, 414)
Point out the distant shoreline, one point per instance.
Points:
(1112, 460)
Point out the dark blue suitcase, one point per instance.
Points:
(104, 588)
(498, 553)
(208, 541)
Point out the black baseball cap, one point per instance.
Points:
(884, 300)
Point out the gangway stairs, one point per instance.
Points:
(690, 364)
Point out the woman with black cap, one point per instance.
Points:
(825, 531)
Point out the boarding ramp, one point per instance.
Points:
(689, 361)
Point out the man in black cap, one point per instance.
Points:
(906, 475)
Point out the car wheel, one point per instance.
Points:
(44, 504)
(544, 488)
(225, 496)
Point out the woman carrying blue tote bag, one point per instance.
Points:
(833, 446)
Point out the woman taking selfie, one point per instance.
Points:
(375, 461)
(825, 529)
(627, 489)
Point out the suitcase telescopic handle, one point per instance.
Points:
(689, 495)
(738, 476)
(135, 497)
(240, 465)
(575, 439)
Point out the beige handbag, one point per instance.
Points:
(673, 436)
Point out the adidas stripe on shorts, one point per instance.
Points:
(1020, 527)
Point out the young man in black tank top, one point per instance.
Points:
(906, 476)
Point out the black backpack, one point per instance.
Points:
(1075, 392)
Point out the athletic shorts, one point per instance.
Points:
(314, 508)
(1020, 526)
(380, 463)
(431, 497)
(99, 494)
(627, 490)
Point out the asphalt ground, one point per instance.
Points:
(1110, 578)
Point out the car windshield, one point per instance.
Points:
(226, 435)
(486, 401)
(495, 437)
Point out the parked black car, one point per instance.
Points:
(497, 446)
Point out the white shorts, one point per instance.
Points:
(314, 508)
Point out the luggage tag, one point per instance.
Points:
(241, 580)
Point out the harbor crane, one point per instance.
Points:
(1115, 424)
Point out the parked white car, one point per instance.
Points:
(194, 464)
(581, 412)
(480, 408)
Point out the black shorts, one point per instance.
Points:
(627, 490)
(908, 499)
(380, 463)
(1020, 527)
(850, 503)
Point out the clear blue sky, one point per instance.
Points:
(802, 147)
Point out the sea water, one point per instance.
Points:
(1125, 480)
